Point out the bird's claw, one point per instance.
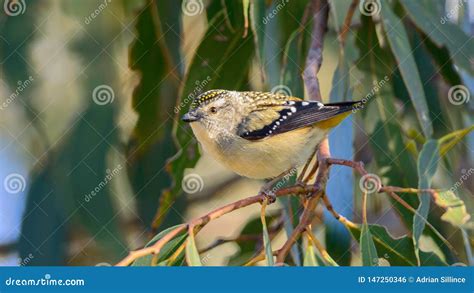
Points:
(270, 196)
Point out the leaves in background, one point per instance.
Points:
(397, 251)
(154, 56)
(447, 142)
(257, 14)
(427, 166)
(398, 40)
(381, 118)
(79, 184)
(248, 249)
(425, 15)
(221, 61)
(456, 212)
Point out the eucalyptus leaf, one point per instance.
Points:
(166, 251)
(192, 254)
(221, 60)
(398, 251)
(398, 40)
(309, 257)
(427, 166)
(367, 247)
(426, 16)
(456, 212)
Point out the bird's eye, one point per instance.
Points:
(213, 110)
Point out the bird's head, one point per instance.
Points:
(218, 111)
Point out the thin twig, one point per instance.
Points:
(314, 58)
(201, 221)
(347, 22)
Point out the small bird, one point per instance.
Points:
(261, 135)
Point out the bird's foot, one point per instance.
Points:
(270, 196)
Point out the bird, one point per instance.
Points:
(262, 135)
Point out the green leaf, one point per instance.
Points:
(398, 251)
(448, 141)
(398, 40)
(426, 16)
(154, 56)
(247, 249)
(221, 61)
(456, 212)
(267, 243)
(293, 64)
(166, 251)
(367, 247)
(427, 166)
(192, 255)
(381, 119)
(257, 13)
(309, 256)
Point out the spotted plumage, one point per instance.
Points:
(260, 135)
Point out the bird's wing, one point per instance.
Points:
(282, 116)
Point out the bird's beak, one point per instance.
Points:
(190, 117)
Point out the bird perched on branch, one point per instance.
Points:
(262, 135)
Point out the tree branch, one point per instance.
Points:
(202, 221)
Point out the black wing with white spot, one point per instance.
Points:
(294, 115)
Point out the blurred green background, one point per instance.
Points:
(94, 161)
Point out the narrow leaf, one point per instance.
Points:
(221, 61)
(257, 14)
(398, 40)
(167, 249)
(447, 34)
(309, 256)
(266, 238)
(427, 166)
(447, 142)
(192, 254)
(398, 251)
(367, 247)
